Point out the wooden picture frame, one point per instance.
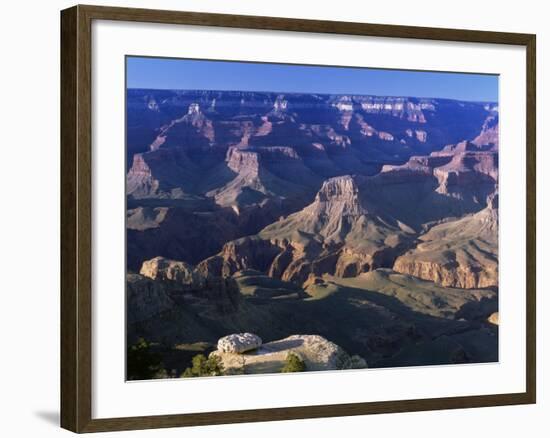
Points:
(76, 217)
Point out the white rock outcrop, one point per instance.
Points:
(239, 343)
(318, 354)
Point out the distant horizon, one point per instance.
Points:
(309, 92)
(174, 74)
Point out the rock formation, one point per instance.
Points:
(214, 121)
(239, 343)
(145, 298)
(317, 353)
(489, 132)
(188, 129)
(461, 253)
(335, 234)
(254, 183)
(172, 270)
(145, 218)
(164, 173)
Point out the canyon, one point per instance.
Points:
(369, 221)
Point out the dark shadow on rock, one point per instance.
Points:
(475, 310)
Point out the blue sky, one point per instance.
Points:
(168, 73)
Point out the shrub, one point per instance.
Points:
(141, 362)
(203, 366)
(293, 364)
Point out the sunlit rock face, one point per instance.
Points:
(239, 343)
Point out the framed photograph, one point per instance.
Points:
(268, 218)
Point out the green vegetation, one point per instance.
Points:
(142, 363)
(203, 367)
(293, 364)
